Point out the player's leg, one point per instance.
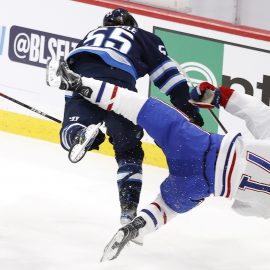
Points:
(124, 135)
(167, 126)
(126, 140)
(149, 219)
(79, 114)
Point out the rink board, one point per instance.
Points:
(218, 53)
(49, 131)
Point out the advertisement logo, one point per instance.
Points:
(219, 63)
(35, 47)
(199, 70)
(2, 38)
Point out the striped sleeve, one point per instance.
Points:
(166, 76)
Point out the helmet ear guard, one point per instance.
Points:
(119, 16)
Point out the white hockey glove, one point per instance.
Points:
(205, 95)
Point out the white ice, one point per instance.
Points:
(55, 215)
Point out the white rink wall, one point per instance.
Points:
(30, 36)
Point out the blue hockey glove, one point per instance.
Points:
(205, 95)
(193, 114)
(179, 98)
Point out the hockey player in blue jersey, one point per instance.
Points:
(200, 164)
(119, 53)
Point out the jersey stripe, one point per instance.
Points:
(230, 176)
(226, 163)
(158, 71)
(110, 57)
(172, 82)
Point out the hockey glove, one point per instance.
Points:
(179, 98)
(205, 95)
(193, 114)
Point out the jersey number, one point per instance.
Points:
(248, 183)
(118, 39)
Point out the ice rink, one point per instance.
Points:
(55, 215)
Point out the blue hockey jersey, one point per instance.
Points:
(134, 51)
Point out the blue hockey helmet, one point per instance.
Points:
(119, 16)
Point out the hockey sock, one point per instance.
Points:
(156, 215)
(113, 98)
(129, 184)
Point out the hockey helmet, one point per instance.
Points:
(119, 16)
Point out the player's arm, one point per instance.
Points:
(165, 75)
(255, 113)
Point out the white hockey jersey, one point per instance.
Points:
(243, 165)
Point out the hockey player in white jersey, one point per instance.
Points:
(200, 164)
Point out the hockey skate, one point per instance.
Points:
(59, 75)
(83, 142)
(126, 217)
(122, 238)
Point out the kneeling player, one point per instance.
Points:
(200, 164)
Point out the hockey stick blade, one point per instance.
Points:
(77, 151)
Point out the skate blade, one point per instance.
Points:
(77, 152)
(111, 250)
(51, 77)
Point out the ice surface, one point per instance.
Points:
(55, 215)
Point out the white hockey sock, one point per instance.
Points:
(156, 215)
(113, 98)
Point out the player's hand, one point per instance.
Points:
(193, 113)
(205, 95)
(196, 118)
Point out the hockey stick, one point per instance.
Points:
(30, 108)
(76, 152)
(191, 83)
